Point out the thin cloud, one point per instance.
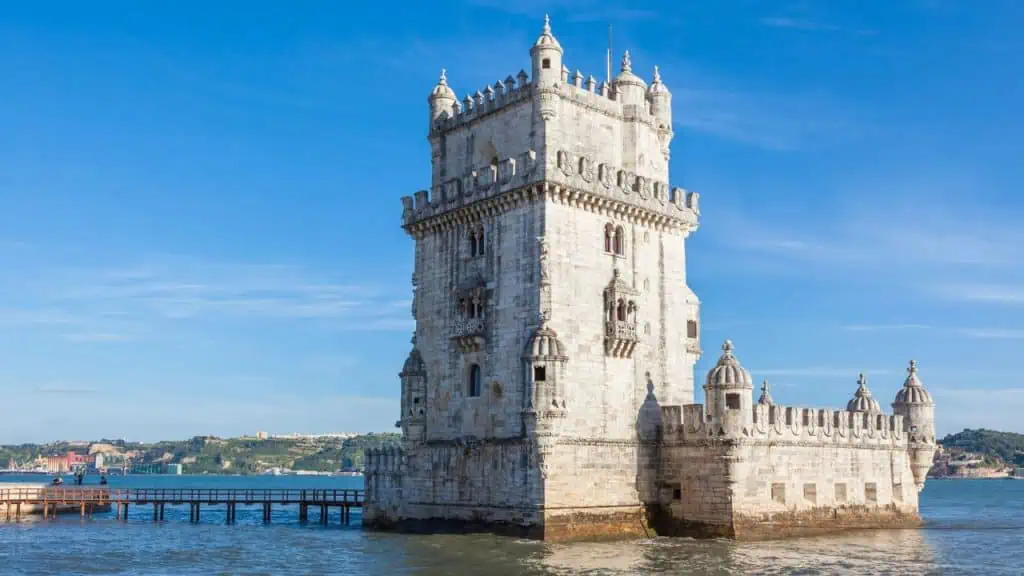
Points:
(884, 327)
(818, 372)
(64, 390)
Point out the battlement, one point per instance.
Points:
(383, 461)
(789, 424)
(490, 100)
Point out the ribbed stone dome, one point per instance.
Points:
(626, 75)
(657, 87)
(862, 400)
(442, 90)
(414, 363)
(546, 39)
(728, 373)
(545, 345)
(913, 391)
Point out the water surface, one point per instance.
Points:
(971, 527)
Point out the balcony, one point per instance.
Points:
(468, 334)
(619, 338)
(693, 346)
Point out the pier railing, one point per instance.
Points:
(52, 499)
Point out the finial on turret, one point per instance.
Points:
(657, 74)
(547, 24)
(727, 347)
(443, 81)
(627, 66)
(862, 382)
(766, 396)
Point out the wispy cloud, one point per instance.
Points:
(811, 25)
(818, 372)
(884, 327)
(110, 304)
(63, 390)
(573, 10)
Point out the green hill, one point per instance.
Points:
(996, 447)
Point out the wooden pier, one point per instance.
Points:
(88, 500)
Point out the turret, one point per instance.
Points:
(547, 58)
(630, 89)
(414, 389)
(661, 101)
(862, 400)
(915, 404)
(442, 98)
(729, 394)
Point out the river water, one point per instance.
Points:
(971, 527)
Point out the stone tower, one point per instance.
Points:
(550, 298)
(549, 390)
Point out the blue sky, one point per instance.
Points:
(199, 203)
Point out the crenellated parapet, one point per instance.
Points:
(383, 461)
(787, 425)
(484, 102)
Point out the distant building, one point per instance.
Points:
(174, 469)
(261, 435)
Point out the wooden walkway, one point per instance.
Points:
(87, 500)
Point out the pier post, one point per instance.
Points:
(83, 510)
(266, 512)
(156, 510)
(124, 516)
(17, 512)
(323, 514)
(303, 512)
(8, 507)
(161, 511)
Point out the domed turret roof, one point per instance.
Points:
(862, 400)
(546, 39)
(657, 87)
(442, 90)
(414, 363)
(913, 391)
(544, 344)
(728, 373)
(626, 75)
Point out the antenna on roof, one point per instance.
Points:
(608, 61)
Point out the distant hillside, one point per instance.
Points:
(1005, 448)
(211, 455)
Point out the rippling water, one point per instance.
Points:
(972, 527)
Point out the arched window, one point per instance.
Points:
(620, 313)
(472, 244)
(480, 242)
(620, 241)
(609, 231)
(474, 380)
(631, 311)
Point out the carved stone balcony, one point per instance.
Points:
(693, 346)
(619, 338)
(468, 334)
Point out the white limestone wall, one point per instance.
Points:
(809, 476)
(509, 272)
(505, 133)
(604, 394)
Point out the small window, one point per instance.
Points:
(472, 244)
(620, 241)
(480, 242)
(806, 418)
(539, 373)
(811, 493)
(545, 63)
(897, 492)
(840, 493)
(474, 380)
(779, 493)
(871, 493)
(620, 311)
(732, 401)
(691, 328)
(677, 493)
